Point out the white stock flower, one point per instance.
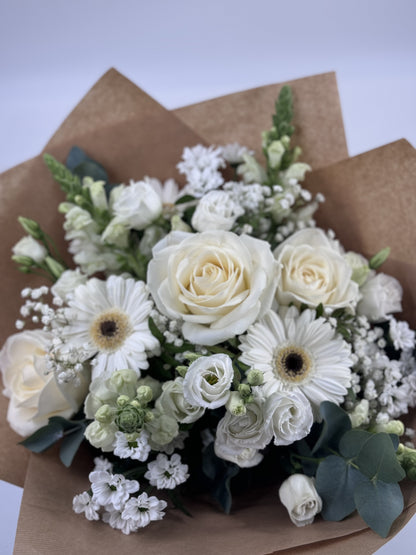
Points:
(216, 210)
(299, 353)
(172, 401)
(101, 436)
(239, 438)
(299, 496)
(165, 473)
(314, 271)
(290, 416)
(34, 393)
(109, 319)
(67, 283)
(381, 295)
(27, 246)
(137, 448)
(86, 503)
(208, 380)
(137, 205)
(218, 283)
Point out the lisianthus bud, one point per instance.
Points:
(55, 267)
(30, 248)
(235, 404)
(255, 377)
(299, 496)
(31, 227)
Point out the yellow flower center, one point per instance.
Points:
(110, 329)
(292, 364)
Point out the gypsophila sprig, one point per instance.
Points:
(217, 321)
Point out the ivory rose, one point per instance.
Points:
(217, 282)
(299, 496)
(314, 271)
(34, 394)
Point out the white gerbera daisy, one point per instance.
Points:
(109, 319)
(299, 352)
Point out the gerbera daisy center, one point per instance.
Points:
(110, 329)
(292, 363)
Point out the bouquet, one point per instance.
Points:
(210, 337)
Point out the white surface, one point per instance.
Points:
(52, 52)
(11, 497)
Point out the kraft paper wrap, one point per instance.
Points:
(369, 201)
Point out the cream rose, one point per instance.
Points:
(34, 394)
(217, 282)
(299, 496)
(314, 271)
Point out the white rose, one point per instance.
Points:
(290, 416)
(217, 282)
(239, 438)
(137, 205)
(34, 393)
(208, 380)
(216, 210)
(314, 271)
(67, 282)
(27, 246)
(299, 496)
(173, 403)
(381, 295)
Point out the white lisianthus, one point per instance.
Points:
(208, 380)
(239, 438)
(27, 246)
(216, 210)
(218, 283)
(173, 402)
(67, 283)
(34, 393)
(290, 416)
(314, 271)
(299, 496)
(381, 295)
(137, 205)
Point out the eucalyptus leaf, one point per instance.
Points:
(352, 442)
(378, 461)
(70, 445)
(336, 481)
(379, 504)
(92, 169)
(335, 423)
(75, 157)
(44, 438)
(220, 472)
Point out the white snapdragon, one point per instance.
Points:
(208, 380)
(29, 247)
(165, 473)
(298, 494)
(216, 210)
(250, 170)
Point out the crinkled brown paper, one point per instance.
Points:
(370, 204)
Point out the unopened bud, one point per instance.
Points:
(54, 267)
(31, 227)
(255, 377)
(378, 259)
(235, 404)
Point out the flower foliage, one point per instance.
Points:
(212, 336)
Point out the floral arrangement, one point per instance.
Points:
(212, 337)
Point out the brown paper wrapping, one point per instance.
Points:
(120, 125)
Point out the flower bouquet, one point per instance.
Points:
(207, 345)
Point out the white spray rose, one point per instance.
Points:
(314, 271)
(27, 246)
(208, 380)
(299, 496)
(217, 282)
(34, 393)
(381, 295)
(290, 416)
(239, 438)
(137, 205)
(67, 282)
(173, 403)
(216, 210)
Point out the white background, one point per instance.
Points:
(52, 52)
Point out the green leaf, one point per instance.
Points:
(44, 438)
(378, 461)
(220, 472)
(379, 504)
(336, 423)
(92, 169)
(70, 444)
(352, 442)
(75, 157)
(378, 259)
(336, 482)
(185, 198)
(155, 331)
